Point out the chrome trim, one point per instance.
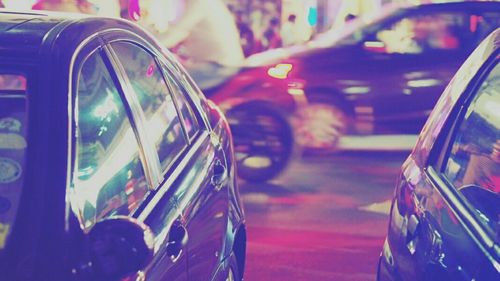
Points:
(173, 176)
(69, 178)
(459, 209)
(151, 164)
(13, 96)
(165, 59)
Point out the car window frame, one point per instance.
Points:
(153, 154)
(167, 72)
(88, 48)
(195, 95)
(441, 150)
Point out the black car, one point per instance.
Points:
(113, 165)
(445, 216)
(381, 76)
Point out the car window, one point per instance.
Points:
(109, 176)
(188, 116)
(162, 125)
(473, 164)
(421, 33)
(13, 128)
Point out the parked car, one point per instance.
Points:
(381, 75)
(445, 216)
(113, 165)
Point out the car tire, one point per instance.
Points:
(263, 140)
(321, 123)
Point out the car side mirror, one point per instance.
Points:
(119, 247)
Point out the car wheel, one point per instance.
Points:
(263, 140)
(320, 124)
(233, 274)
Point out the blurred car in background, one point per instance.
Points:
(259, 109)
(113, 165)
(445, 215)
(383, 76)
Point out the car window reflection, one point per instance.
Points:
(109, 178)
(475, 155)
(162, 121)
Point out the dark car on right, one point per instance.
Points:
(381, 76)
(445, 216)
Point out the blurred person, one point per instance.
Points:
(73, 6)
(1, 4)
(288, 31)
(271, 38)
(247, 38)
(108, 8)
(207, 36)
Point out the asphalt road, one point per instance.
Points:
(325, 218)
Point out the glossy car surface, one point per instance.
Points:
(445, 216)
(114, 166)
(385, 75)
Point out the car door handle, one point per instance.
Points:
(177, 240)
(219, 176)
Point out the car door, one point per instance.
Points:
(204, 200)
(452, 225)
(162, 134)
(194, 177)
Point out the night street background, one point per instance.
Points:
(325, 218)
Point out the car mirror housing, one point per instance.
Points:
(120, 246)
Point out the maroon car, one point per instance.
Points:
(381, 76)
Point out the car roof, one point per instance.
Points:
(24, 34)
(467, 5)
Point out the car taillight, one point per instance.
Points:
(404, 197)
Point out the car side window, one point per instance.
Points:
(421, 33)
(188, 115)
(163, 125)
(108, 177)
(473, 164)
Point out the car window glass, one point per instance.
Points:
(188, 115)
(418, 34)
(473, 166)
(162, 121)
(485, 23)
(109, 177)
(13, 145)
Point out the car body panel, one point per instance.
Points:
(54, 66)
(432, 234)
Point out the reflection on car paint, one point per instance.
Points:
(4, 205)
(4, 231)
(10, 170)
(12, 141)
(11, 124)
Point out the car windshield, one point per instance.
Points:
(12, 149)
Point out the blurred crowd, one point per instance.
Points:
(260, 26)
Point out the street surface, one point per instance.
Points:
(325, 218)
